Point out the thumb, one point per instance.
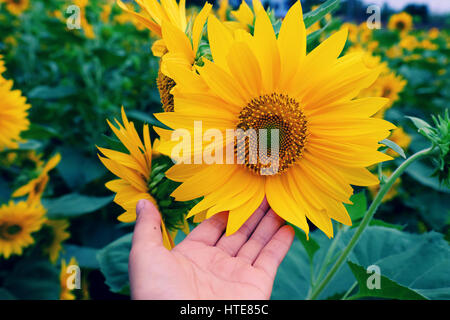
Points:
(147, 230)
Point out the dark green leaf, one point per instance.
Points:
(113, 260)
(46, 92)
(312, 17)
(394, 146)
(73, 205)
(388, 288)
(146, 118)
(359, 206)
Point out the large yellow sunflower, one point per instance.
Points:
(13, 112)
(35, 187)
(402, 22)
(16, 7)
(58, 234)
(133, 169)
(263, 82)
(17, 222)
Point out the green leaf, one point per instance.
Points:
(6, 295)
(73, 205)
(359, 206)
(113, 260)
(394, 146)
(33, 280)
(388, 288)
(419, 262)
(77, 170)
(52, 93)
(313, 16)
(316, 34)
(421, 172)
(85, 256)
(146, 118)
(39, 132)
(310, 245)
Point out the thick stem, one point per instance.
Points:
(366, 220)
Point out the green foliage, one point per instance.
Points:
(113, 260)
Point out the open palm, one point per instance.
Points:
(207, 264)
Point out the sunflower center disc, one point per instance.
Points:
(274, 111)
(165, 84)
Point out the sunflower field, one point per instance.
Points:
(91, 93)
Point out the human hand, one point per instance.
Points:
(207, 264)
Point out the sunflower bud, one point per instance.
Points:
(439, 135)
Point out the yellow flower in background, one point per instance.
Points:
(16, 7)
(263, 82)
(133, 169)
(433, 33)
(393, 191)
(428, 45)
(401, 138)
(401, 22)
(17, 222)
(66, 293)
(352, 31)
(388, 85)
(394, 52)
(85, 25)
(13, 112)
(223, 9)
(35, 188)
(409, 43)
(58, 234)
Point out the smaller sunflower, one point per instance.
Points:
(35, 188)
(388, 85)
(57, 234)
(17, 222)
(401, 22)
(66, 293)
(16, 7)
(133, 169)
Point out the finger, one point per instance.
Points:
(274, 252)
(210, 230)
(268, 226)
(234, 242)
(147, 230)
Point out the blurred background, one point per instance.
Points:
(76, 79)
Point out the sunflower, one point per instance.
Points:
(402, 22)
(409, 43)
(66, 293)
(57, 234)
(13, 113)
(16, 7)
(35, 188)
(401, 138)
(181, 51)
(388, 85)
(17, 222)
(263, 82)
(133, 169)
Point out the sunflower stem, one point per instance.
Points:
(366, 220)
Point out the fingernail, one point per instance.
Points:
(140, 206)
